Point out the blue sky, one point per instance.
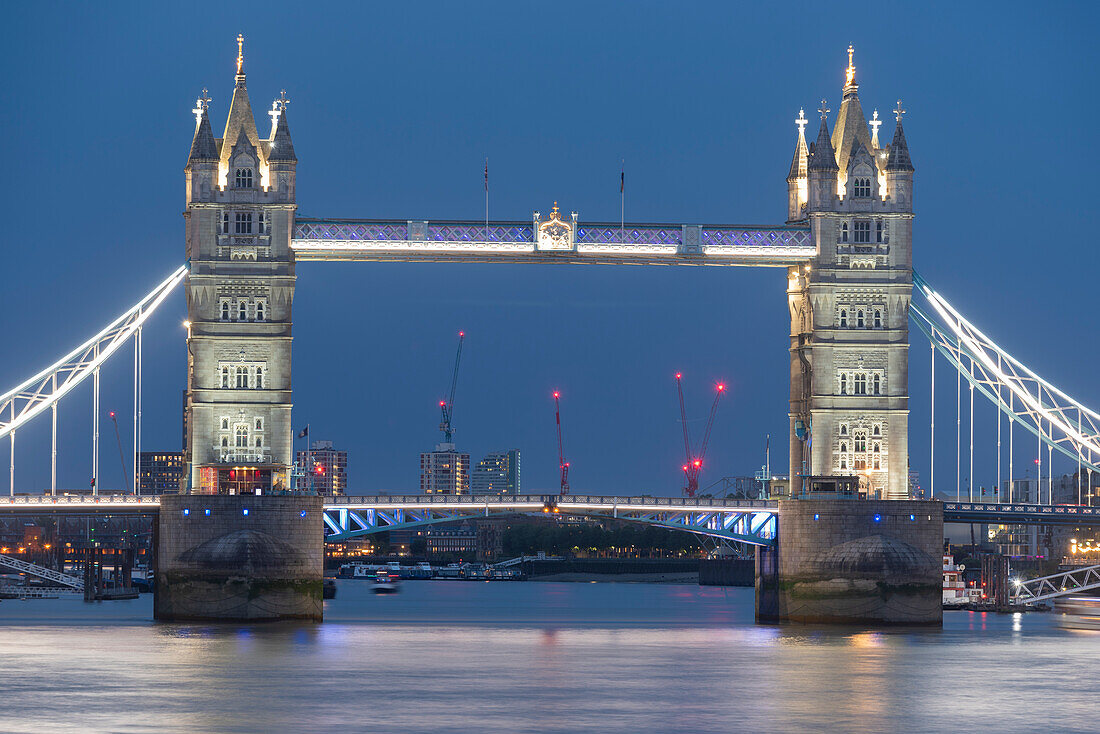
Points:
(395, 107)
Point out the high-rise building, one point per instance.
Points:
(327, 467)
(849, 306)
(160, 472)
(497, 473)
(445, 471)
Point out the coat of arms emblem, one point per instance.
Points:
(555, 233)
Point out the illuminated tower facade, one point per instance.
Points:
(849, 306)
(239, 218)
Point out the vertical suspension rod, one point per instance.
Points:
(53, 442)
(932, 445)
(970, 481)
(95, 430)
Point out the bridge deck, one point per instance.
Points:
(515, 242)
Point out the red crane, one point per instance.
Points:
(561, 456)
(446, 407)
(693, 463)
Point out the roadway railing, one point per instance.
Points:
(1020, 513)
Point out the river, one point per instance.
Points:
(459, 656)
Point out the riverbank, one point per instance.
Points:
(631, 578)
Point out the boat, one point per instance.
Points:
(386, 582)
(956, 594)
(1078, 611)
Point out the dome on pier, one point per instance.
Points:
(873, 555)
(249, 550)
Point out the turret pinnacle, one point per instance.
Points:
(899, 150)
(823, 158)
(801, 154)
(851, 124)
(282, 148)
(203, 146)
(240, 111)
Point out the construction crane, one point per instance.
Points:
(447, 406)
(562, 463)
(693, 463)
(121, 456)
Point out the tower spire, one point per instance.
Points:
(850, 72)
(240, 54)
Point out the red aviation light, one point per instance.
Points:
(698, 462)
(678, 375)
(112, 414)
(556, 395)
(721, 387)
(462, 333)
(442, 403)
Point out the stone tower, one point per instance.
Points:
(239, 218)
(849, 306)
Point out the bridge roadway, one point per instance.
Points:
(749, 521)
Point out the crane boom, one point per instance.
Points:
(447, 406)
(562, 463)
(693, 463)
(684, 422)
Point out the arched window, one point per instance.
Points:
(843, 429)
(861, 189)
(875, 447)
(225, 310)
(877, 463)
(261, 220)
(844, 318)
(259, 442)
(878, 430)
(259, 424)
(259, 310)
(843, 448)
(260, 380)
(242, 437)
(225, 424)
(843, 383)
(860, 442)
(242, 311)
(860, 384)
(242, 378)
(225, 442)
(244, 178)
(843, 462)
(225, 377)
(243, 224)
(859, 318)
(225, 222)
(875, 383)
(878, 318)
(878, 231)
(844, 232)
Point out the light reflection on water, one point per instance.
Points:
(506, 657)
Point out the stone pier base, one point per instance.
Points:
(868, 562)
(239, 558)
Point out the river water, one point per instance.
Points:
(457, 656)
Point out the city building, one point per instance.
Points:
(326, 467)
(445, 471)
(497, 473)
(446, 539)
(160, 472)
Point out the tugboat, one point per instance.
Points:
(386, 582)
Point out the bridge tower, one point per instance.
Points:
(849, 305)
(240, 192)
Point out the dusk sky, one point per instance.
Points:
(394, 109)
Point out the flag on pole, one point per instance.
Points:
(622, 178)
(304, 432)
(486, 175)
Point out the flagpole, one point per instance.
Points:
(622, 201)
(486, 199)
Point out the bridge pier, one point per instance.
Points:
(239, 558)
(868, 562)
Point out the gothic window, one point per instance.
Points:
(843, 448)
(878, 231)
(244, 178)
(863, 231)
(860, 442)
(859, 318)
(843, 462)
(259, 424)
(878, 430)
(259, 442)
(860, 464)
(225, 424)
(225, 442)
(262, 223)
(844, 318)
(859, 384)
(843, 383)
(242, 378)
(259, 310)
(877, 463)
(225, 378)
(878, 318)
(260, 379)
(225, 222)
(243, 223)
(242, 311)
(843, 429)
(875, 384)
(861, 189)
(225, 310)
(844, 232)
(242, 436)
(875, 447)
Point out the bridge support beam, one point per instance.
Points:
(239, 558)
(870, 562)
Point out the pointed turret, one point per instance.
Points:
(899, 159)
(282, 148)
(203, 147)
(823, 157)
(240, 111)
(851, 124)
(798, 177)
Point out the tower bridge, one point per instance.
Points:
(845, 242)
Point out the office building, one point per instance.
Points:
(160, 472)
(497, 473)
(445, 471)
(327, 467)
